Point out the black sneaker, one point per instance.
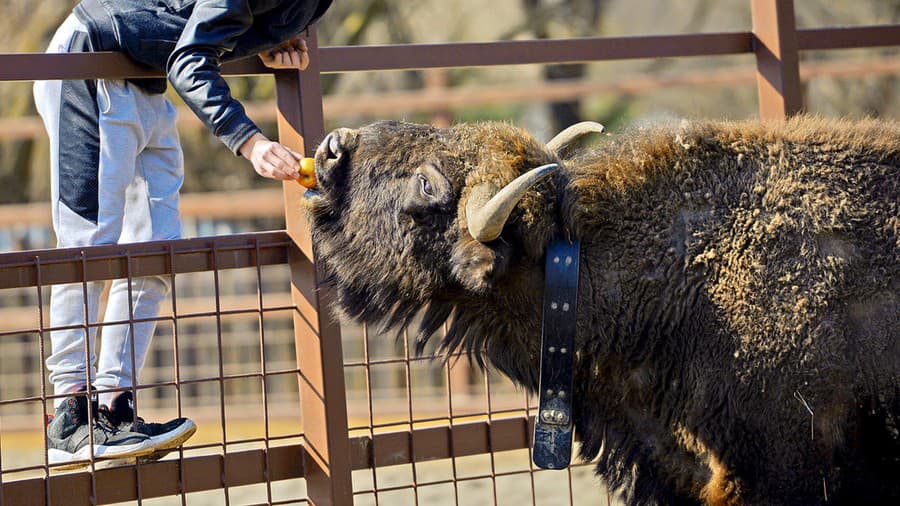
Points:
(165, 437)
(69, 437)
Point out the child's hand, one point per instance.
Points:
(271, 159)
(290, 54)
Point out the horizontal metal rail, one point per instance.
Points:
(247, 467)
(431, 99)
(520, 52)
(30, 67)
(851, 37)
(74, 265)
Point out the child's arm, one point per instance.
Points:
(214, 28)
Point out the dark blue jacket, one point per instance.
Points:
(190, 38)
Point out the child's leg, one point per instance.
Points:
(151, 213)
(70, 113)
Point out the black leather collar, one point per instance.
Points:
(553, 427)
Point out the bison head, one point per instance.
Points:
(410, 216)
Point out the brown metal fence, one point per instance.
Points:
(446, 437)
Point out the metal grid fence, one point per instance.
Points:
(293, 410)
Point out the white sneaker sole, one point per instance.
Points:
(61, 459)
(175, 438)
(162, 445)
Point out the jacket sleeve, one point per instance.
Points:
(194, 68)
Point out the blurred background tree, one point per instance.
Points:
(625, 92)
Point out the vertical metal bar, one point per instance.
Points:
(777, 58)
(134, 367)
(42, 348)
(90, 374)
(323, 403)
(409, 414)
(300, 121)
(490, 434)
(449, 365)
(221, 378)
(370, 406)
(177, 363)
(530, 411)
(263, 370)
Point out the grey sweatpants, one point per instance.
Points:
(117, 169)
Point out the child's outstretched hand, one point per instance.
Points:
(271, 159)
(290, 54)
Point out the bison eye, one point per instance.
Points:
(425, 186)
(425, 191)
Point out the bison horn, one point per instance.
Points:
(487, 212)
(573, 133)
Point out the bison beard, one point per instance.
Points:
(739, 289)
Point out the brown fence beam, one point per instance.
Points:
(159, 479)
(249, 203)
(520, 52)
(100, 65)
(73, 265)
(849, 37)
(247, 467)
(777, 58)
(442, 442)
(323, 401)
(104, 65)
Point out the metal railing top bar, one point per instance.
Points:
(851, 37)
(74, 265)
(99, 65)
(518, 52)
(35, 66)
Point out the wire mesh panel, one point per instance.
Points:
(427, 429)
(223, 355)
(440, 430)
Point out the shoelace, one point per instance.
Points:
(104, 420)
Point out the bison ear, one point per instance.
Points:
(477, 266)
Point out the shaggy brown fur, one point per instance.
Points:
(740, 291)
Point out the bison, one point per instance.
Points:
(739, 291)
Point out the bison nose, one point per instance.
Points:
(336, 143)
(331, 155)
(333, 145)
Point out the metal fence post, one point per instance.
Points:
(777, 58)
(323, 402)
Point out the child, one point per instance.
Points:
(117, 169)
